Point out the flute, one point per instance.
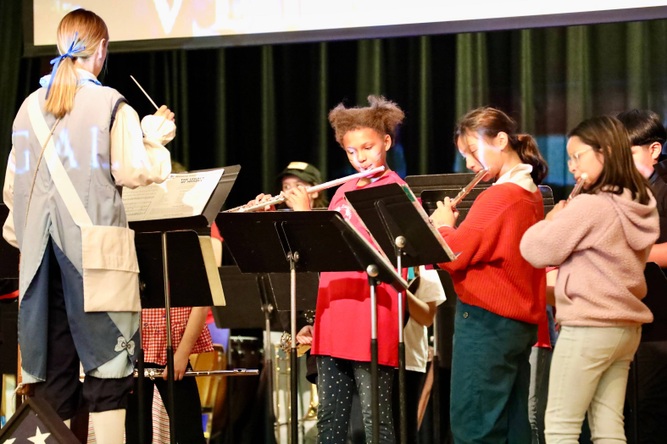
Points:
(153, 373)
(468, 188)
(578, 187)
(314, 189)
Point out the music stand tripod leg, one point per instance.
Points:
(141, 386)
(372, 272)
(170, 349)
(294, 379)
(435, 391)
(400, 243)
(267, 309)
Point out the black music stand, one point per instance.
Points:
(431, 197)
(401, 228)
(306, 241)
(245, 306)
(248, 295)
(248, 305)
(171, 278)
(432, 188)
(257, 300)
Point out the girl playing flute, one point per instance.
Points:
(600, 241)
(342, 328)
(501, 297)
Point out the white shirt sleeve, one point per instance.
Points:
(430, 287)
(137, 160)
(8, 231)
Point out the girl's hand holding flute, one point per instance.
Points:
(445, 215)
(262, 198)
(578, 188)
(297, 198)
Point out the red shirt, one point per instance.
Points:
(13, 295)
(543, 337)
(342, 326)
(154, 333)
(490, 272)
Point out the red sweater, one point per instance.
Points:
(490, 272)
(342, 326)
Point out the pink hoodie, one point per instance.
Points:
(600, 242)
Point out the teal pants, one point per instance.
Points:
(490, 377)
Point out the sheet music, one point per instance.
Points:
(181, 195)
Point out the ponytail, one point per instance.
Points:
(526, 147)
(79, 35)
(63, 84)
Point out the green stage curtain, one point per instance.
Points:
(264, 106)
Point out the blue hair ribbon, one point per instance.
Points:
(74, 48)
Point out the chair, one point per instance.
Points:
(213, 388)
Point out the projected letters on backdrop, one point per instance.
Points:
(64, 149)
(152, 20)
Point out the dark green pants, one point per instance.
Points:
(490, 377)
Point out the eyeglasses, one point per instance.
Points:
(574, 159)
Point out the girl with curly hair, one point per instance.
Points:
(342, 328)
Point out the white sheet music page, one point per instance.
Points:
(181, 195)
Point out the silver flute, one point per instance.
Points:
(275, 200)
(153, 373)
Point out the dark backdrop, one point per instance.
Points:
(264, 106)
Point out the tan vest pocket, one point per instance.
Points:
(110, 269)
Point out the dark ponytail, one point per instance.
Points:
(526, 147)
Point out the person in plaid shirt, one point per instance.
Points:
(189, 335)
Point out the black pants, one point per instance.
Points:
(414, 383)
(648, 379)
(187, 408)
